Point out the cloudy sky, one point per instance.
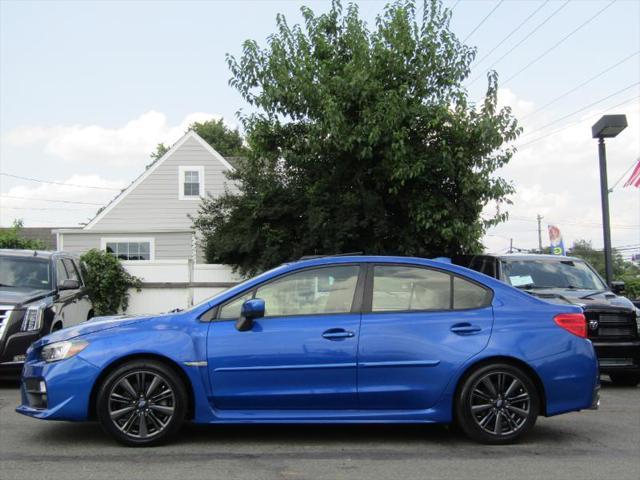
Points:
(87, 89)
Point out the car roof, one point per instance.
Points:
(48, 254)
(534, 256)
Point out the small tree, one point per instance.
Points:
(623, 270)
(226, 141)
(10, 238)
(107, 282)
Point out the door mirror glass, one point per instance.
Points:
(251, 309)
(69, 284)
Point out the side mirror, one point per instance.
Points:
(251, 309)
(617, 287)
(69, 284)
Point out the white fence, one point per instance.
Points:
(170, 284)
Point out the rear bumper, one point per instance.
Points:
(618, 356)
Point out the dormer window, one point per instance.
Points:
(191, 182)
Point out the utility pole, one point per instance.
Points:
(511, 245)
(540, 217)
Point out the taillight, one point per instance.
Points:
(574, 323)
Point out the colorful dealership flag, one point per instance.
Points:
(634, 179)
(555, 238)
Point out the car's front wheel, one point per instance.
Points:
(497, 404)
(142, 403)
(625, 379)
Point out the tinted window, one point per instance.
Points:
(468, 295)
(29, 272)
(401, 288)
(317, 291)
(232, 309)
(72, 272)
(551, 274)
(61, 272)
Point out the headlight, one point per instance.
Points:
(62, 350)
(32, 320)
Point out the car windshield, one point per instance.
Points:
(25, 272)
(525, 273)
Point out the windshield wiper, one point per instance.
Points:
(533, 286)
(589, 295)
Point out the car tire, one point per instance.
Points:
(625, 379)
(497, 404)
(142, 403)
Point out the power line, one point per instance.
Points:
(482, 21)
(455, 5)
(46, 208)
(554, 132)
(560, 97)
(56, 183)
(512, 32)
(558, 43)
(50, 200)
(553, 14)
(580, 224)
(583, 108)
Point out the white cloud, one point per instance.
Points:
(558, 177)
(126, 145)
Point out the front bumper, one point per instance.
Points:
(68, 385)
(623, 356)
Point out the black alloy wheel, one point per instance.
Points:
(497, 404)
(142, 403)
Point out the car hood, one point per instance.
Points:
(21, 295)
(94, 325)
(565, 296)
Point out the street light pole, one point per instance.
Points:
(606, 223)
(609, 126)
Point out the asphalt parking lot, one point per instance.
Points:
(603, 444)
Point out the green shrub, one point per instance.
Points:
(107, 282)
(10, 238)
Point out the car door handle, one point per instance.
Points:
(337, 333)
(465, 328)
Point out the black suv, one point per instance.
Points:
(613, 321)
(39, 292)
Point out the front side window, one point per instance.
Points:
(403, 288)
(191, 182)
(72, 271)
(233, 309)
(315, 291)
(125, 250)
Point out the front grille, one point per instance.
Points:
(611, 325)
(616, 362)
(5, 312)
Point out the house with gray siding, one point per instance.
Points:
(149, 220)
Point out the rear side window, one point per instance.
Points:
(406, 288)
(468, 295)
(401, 288)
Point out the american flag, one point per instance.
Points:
(634, 179)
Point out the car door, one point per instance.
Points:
(418, 326)
(301, 355)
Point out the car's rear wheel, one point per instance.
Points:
(625, 379)
(142, 403)
(497, 404)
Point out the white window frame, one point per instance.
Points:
(150, 240)
(182, 169)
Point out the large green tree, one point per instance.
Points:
(360, 140)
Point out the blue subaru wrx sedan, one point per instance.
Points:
(344, 339)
